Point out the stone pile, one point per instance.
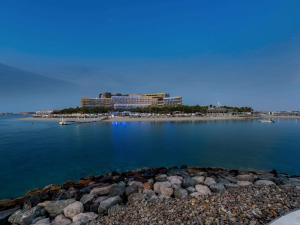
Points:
(95, 198)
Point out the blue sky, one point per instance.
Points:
(232, 52)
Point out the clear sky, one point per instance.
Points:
(233, 52)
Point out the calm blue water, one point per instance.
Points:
(36, 154)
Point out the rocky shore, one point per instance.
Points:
(159, 196)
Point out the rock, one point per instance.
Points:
(101, 190)
(202, 189)
(264, 182)
(191, 189)
(180, 193)
(175, 180)
(55, 208)
(87, 198)
(84, 218)
(26, 216)
(199, 179)
(95, 204)
(294, 181)
(131, 189)
(163, 188)
(231, 185)
(246, 177)
(209, 181)
(117, 189)
(4, 215)
(73, 209)
(218, 187)
(161, 177)
(61, 220)
(244, 183)
(140, 185)
(107, 203)
(148, 186)
(157, 186)
(45, 221)
(188, 182)
(149, 195)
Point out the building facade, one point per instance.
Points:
(129, 101)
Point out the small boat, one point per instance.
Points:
(63, 122)
(267, 121)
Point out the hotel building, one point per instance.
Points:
(129, 101)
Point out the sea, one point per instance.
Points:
(34, 154)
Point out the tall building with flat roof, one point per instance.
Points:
(129, 101)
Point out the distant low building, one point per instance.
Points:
(129, 101)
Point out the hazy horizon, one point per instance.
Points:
(235, 53)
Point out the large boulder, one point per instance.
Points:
(202, 189)
(87, 201)
(4, 215)
(163, 188)
(244, 183)
(175, 180)
(55, 208)
(161, 177)
(188, 182)
(73, 209)
(180, 193)
(117, 189)
(199, 179)
(107, 203)
(209, 181)
(218, 187)
(26, 216)
(45, 221)
(264, 182)
(84, 218)
(97, 191)
(61, 220)
(246, 177)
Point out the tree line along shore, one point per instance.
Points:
(161, 110)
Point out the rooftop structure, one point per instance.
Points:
(129, 101)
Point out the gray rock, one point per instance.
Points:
(87, 199)
(107, 203)
(101, 190)
(84, 218)
(188, 182)
(231, 185)
(4, 215)
(95, 204)
(131, 189)
(73, 209)
(180, 193)
(218, 187)
(175, 180)
(117, 189)
(199, 179)
(55, 208)
(26, 216)
(202, 189)
(209, 181)
(246, 177)
(244, 183)
(45, 221)
(149, 195)
(61, 220)
(264, 182)
(163, 188)
(191, 189)
(161, 177)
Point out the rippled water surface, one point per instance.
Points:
(34, 154)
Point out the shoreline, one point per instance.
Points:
(160, 119)
(108, 198)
